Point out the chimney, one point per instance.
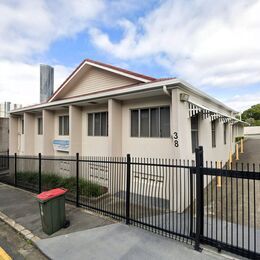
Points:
(46, 82)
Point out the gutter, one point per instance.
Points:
(165, 90)
(151, 86)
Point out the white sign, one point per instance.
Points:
(61, 145)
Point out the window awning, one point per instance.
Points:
(206, 112)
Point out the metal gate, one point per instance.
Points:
(228, 206)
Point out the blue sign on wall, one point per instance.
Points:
(61, 145)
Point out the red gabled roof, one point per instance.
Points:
(104, 65)
(121, 70)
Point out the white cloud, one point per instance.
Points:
(243, 102)
(207, 44)
(28, 27)
(20, 82)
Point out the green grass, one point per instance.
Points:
(50, 181)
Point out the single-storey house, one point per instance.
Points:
(104, 110)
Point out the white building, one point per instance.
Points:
(6, 107)
(108, 111)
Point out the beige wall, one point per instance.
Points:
(94, 79)
(221, 151)
(48, 131)
(38, 139)
(93, 145)
(145, 147)
(13, 134)
(115, 127)
(119, 142)
(75, 129)
(20, 137)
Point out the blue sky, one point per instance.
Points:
(214, 47)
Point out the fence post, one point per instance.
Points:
(8, 158)
(199, 198)
(15, 169)
(40, 173)
(77, 179)
(128, 176)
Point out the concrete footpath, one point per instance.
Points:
(90, 236)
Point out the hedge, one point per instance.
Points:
(49, 181)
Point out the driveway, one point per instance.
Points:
(119, 241)
(251, 152)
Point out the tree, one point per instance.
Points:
(252, 115)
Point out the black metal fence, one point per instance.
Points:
(4, 161)
(192, 201)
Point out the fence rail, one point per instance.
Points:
(192, 201)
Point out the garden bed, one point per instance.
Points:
(49, 181)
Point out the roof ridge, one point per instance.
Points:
(121, 69)
(104, 65)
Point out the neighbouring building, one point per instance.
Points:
(6, 107)
(109, 111)
(4, 138)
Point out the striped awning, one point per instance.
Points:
(206, 112)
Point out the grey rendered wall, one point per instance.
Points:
(4, 139)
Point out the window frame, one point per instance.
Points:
(149, 121)
(213, 134)
(62, 129)
(193, 149)
(22, 126)
(39, 126)
(94, 114)
(225, 132)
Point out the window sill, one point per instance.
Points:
(147, 137)
(97, 136)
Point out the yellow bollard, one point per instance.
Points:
(237, 152)
(242, 145)
(218, 177)
(230, 159)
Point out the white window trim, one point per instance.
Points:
(139, 121)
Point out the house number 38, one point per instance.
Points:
(175, 138)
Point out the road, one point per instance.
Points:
(14, 246)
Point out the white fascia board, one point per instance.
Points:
(108, 94)
(205, 95)
(118, 72)
(68, 80)
(171, 83)
(101, 67)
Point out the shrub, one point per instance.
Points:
(238, 138)
(50, 181)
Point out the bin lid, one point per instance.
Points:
(47, 195)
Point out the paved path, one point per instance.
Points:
(119, 241)
(91, 236)
(14, 246)
(22, 207)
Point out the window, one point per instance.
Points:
(98, 124)
(225, 132)
(194, 132)
(63, 125)
(134, 123)
(213, 133)
(150, 122)
(40, 127)
(22, 126)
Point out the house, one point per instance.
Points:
(104, 110)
